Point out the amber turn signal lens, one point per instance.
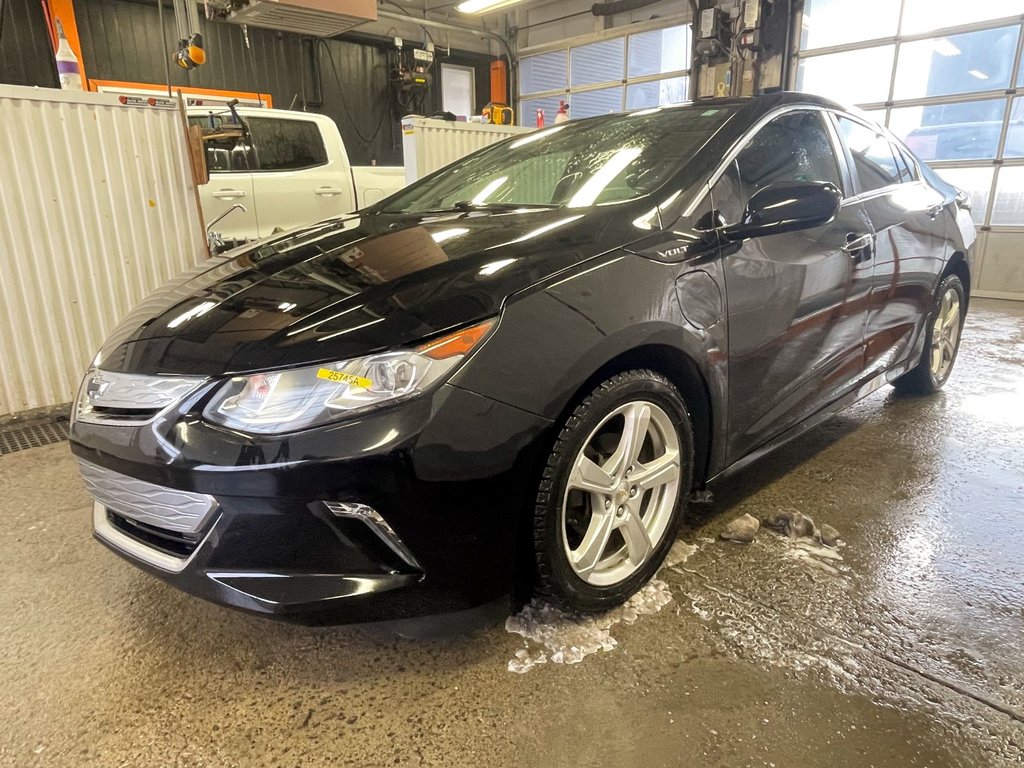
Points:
(458, 343)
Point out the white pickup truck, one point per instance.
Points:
(292, 171)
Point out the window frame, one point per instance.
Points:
(445, 66)
(826, 127)
(859, 191)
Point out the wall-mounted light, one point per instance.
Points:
(483, 6)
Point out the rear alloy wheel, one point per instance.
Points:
(612, 493)
(942, 341)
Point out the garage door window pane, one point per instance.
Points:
(659, 93)
(968, 131)
(854, 77)
(1015, 131)
(546, 72)
(1009, 205)
(593, 103)
(976, 182)
(661, 50)
(598, 62)
(977, 61)
(925, 15)
(528, 110)
(832, 22)
(287, 145)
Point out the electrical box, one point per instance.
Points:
(712, 24)
(751, 14)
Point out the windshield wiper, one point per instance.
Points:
(465, 206)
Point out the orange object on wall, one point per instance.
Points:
(65, 11)
(499, 82)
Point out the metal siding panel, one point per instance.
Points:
(432, 144)
(106, 214)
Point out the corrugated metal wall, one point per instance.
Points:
(433, 144)
(25, 54)
(97, 210)
(347, 80)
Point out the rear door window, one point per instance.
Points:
(286, 145)
(225, 151)
(873, 158)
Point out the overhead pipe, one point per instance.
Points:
(445, 25)
(620, 6)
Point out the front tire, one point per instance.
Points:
(613, 492)
(941, 342)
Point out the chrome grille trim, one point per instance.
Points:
(376, 523)
(136, 398)
(125, 543)
(155, 505)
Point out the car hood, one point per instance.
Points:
(351, 286)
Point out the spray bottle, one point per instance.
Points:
(67, 63)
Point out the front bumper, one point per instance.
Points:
(409, 511)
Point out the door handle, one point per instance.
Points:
(933, 211)
(228, 193)
(328, 191)
(859, 246)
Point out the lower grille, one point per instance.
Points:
(170, 542)
(142, 502)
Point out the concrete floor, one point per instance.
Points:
(907, 652)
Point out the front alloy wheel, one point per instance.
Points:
(610, 499)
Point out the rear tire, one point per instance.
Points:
(613, 492)
(941, 341)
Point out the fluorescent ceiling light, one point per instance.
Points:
(483, 6)
(944, 47)
(978, 74)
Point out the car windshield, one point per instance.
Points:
(574, 165)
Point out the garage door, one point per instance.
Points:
(946, 77)
(643, 69)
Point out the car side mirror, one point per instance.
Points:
(786, 206)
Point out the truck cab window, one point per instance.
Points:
(224, 155)
(287, 145)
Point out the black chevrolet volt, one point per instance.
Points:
(508, 378)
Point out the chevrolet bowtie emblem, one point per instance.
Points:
(96, 387)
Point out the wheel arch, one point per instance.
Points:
(958, 265)
(685, 375)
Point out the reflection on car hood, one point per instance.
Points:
(351, 286)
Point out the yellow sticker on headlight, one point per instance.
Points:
(344, 378)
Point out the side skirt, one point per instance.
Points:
(815, 419)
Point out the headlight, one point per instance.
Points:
(285, 401)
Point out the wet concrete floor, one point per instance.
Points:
(909, 651)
